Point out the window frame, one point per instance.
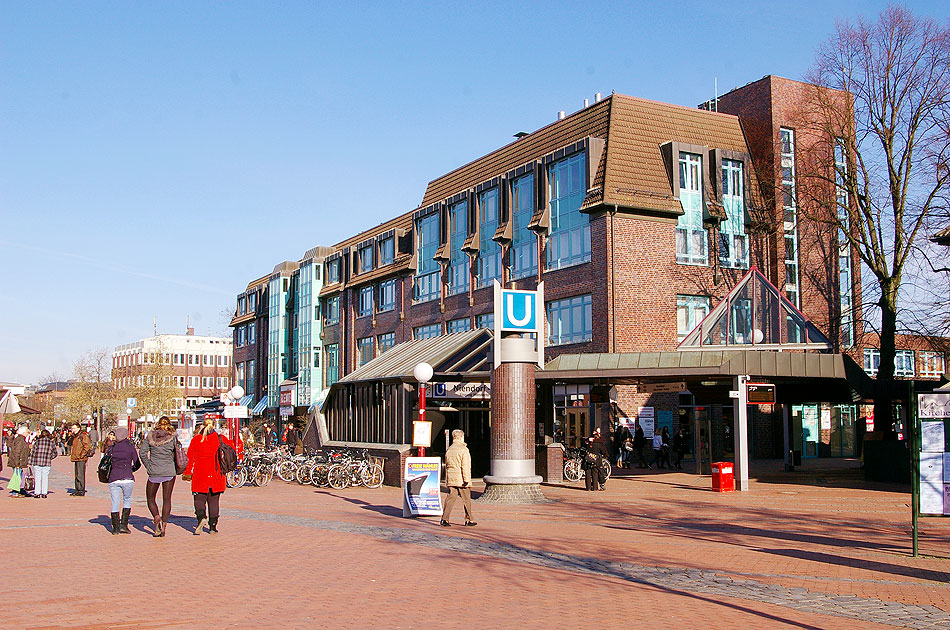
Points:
(568, 305)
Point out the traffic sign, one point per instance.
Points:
(130, 402)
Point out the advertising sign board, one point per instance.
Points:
(467, 391)
(236, 411)
(519, 312)
(421, 489)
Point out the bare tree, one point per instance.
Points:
(882, 145)
(92, 388)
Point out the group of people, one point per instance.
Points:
(667, 452)
(157, 454)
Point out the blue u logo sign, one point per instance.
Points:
(518, 310)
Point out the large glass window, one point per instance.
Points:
(427, 284)
(387, 295)
(690, 235)
(489, 251)
(333, 309)
(333, 271)
(932, 364)
(366, 301)
(733, 241)
(903, 362)
(386, 341)
(387, 250)
(872, 360)
(427, 332)
(569, 242)
(486, 320)
(364, 350)
(332, 363)
(366, 258)
(458, 260)
(569, 320)
(845, 289)
(458, 325)
(790, 211)
(524, 244)
(690, 310)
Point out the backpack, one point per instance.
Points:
(227, 457)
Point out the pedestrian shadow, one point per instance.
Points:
(858, 563)
(143, 524)
(386, 510)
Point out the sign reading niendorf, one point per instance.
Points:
(467, 391)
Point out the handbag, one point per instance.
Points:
(15, 481)
(29, 481)
(181, 459)
(105, 467)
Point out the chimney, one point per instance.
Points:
(190, 331)
(561, 115)
(586, 103)
(598, 97)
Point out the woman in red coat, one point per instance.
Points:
(207, 481)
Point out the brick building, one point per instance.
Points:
(195, 368)
(639, 217)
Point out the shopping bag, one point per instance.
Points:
(29, 481)
(15, 481)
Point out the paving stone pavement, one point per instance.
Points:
(865, 583)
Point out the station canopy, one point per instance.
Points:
(756, 316)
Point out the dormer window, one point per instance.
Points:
(427, 284)
(333, 271)
(458, 260)
(733, 241)
(690, 234)
(387, 250)
(489, 251)
(366, 258)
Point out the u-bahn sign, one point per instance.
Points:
(519, 312)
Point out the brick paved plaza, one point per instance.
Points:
(802, 550)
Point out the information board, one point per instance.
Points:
(647, 417)
(421, 487)
(933, 410)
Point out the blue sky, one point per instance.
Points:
(155, 157)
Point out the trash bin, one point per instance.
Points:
(722, 477)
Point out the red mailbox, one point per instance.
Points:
(722, 477)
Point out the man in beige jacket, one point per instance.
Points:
(458, 478)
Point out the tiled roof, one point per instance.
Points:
(632, 172)
(942, 237)
(592, 121)
(403, 221)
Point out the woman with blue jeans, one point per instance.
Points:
(41, 458)
(125, 460)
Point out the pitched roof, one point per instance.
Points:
(447, 354)
(632, 172)
(942, 237)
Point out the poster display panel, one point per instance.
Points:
(932, 436)
(647, 417)
(421, 489)
(932, 483)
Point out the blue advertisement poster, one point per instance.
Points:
(422, 494)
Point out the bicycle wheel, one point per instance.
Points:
(572, 470)
(303, 474)
(237, 478)
(264, 475)
(372, 476)
(338, 477)
(607, 468)
(286, 470)
(318, 475)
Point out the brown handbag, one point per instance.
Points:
(181, 459)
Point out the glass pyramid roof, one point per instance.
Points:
(755, 315)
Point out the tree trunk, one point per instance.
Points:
(884, 404)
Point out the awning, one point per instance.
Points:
(247, 401)
(455, 353)
(260, 407)
(837, 375)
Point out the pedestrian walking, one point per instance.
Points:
(93, 438)
(41, 458)
(79, 451)
(158, 455)
(595, 458)
(657, 450)
(18, 459)
(639, 444)
(621, 435)
(680, 447)
(125, 461)
(108, 442)
(207, 480)
(665, 449)
(458, 479)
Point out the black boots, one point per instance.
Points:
(124, 523)
(115, 523)
(213, 525)
(202, 521)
